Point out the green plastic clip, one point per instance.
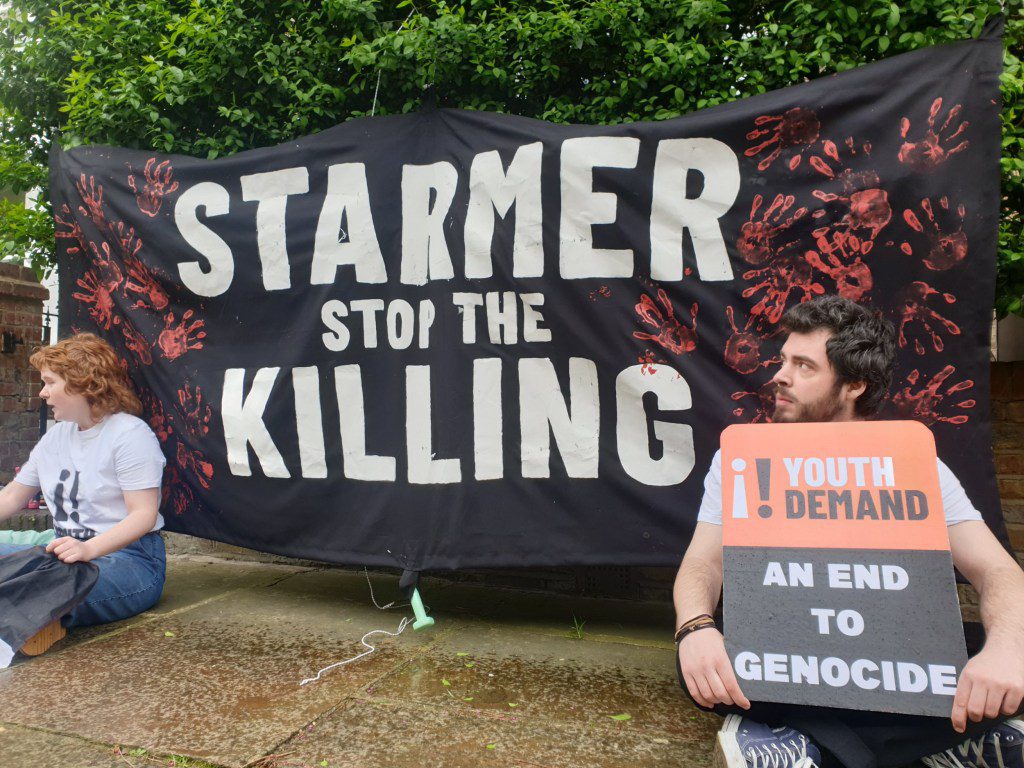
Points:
(422, 620)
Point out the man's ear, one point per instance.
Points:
(855, 389)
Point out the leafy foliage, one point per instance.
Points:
(213, 77)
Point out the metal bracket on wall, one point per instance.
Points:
(9, 342)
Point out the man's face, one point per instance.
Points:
(806, 388)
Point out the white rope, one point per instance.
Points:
(373, 109)
(371, 648)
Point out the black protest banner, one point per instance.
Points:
(455, 339)
(839, 587)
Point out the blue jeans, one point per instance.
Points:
(131, 581)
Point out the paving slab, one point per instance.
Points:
(190, 581)
(505, 670)
(27, 748)
(219, 682)
(375, 734)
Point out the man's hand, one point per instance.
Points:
(71, 550)
(991, 684)
(707, 671)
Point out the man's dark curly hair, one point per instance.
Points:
(862, 346)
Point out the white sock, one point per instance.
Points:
(6, 654)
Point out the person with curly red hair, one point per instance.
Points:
(100, 469)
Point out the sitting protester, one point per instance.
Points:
(836, 365)
(99, 469)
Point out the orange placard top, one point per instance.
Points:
(850, 485)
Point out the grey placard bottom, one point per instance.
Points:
(851, 628)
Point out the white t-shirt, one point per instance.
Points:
(955, 504)
(83, 474)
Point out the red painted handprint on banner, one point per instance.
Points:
(761, 237)
(784, 276)
(158, 184)
(195, 411)
(196, 463)
(176, 339)
(915, 311)
(92, 197)
(795, 128)
(946, 249)
(743, 349)
(762, 408)
(672, 335)
(922, 403)
(937, 144)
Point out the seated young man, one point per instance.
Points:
(837, 365)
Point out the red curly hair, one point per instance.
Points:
(91, 367)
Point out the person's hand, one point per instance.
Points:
(70, 550)
(707, 670)
(991, 684)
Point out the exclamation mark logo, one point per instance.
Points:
(764, 485)
(739, 490)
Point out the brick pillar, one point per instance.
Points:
(21, 314)
(1008, 451)
(1008, 446)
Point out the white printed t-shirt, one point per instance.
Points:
(83, 474)
(955, 504)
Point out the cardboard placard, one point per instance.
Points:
(839, 587)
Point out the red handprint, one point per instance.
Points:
(135, 341)
(672, 335)
(197, 413)
(759, 238)
(92, 195)
(156, 417)
(922, 403)
(158, 184)
(139, 280)
(783, 276)
(105, 266)
(175, 340)
(96, 294)
(796, 127)
(196, 463)
(72, 230)
(763, 406)
(743, 349)
(853, 280)
(175, 493)
(931, 151)
(915, 309)
(831, 155)
(945, 249)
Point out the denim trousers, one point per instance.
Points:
(131, 581)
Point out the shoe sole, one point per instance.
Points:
(727, 750)
(41, 641)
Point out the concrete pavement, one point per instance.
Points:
(211, 676)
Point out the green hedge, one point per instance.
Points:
(213, 77)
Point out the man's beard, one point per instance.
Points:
(824, 408)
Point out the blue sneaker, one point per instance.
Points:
(745, 743)
(1001, 747)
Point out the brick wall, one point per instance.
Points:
(1008, 451)
(21, 313)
